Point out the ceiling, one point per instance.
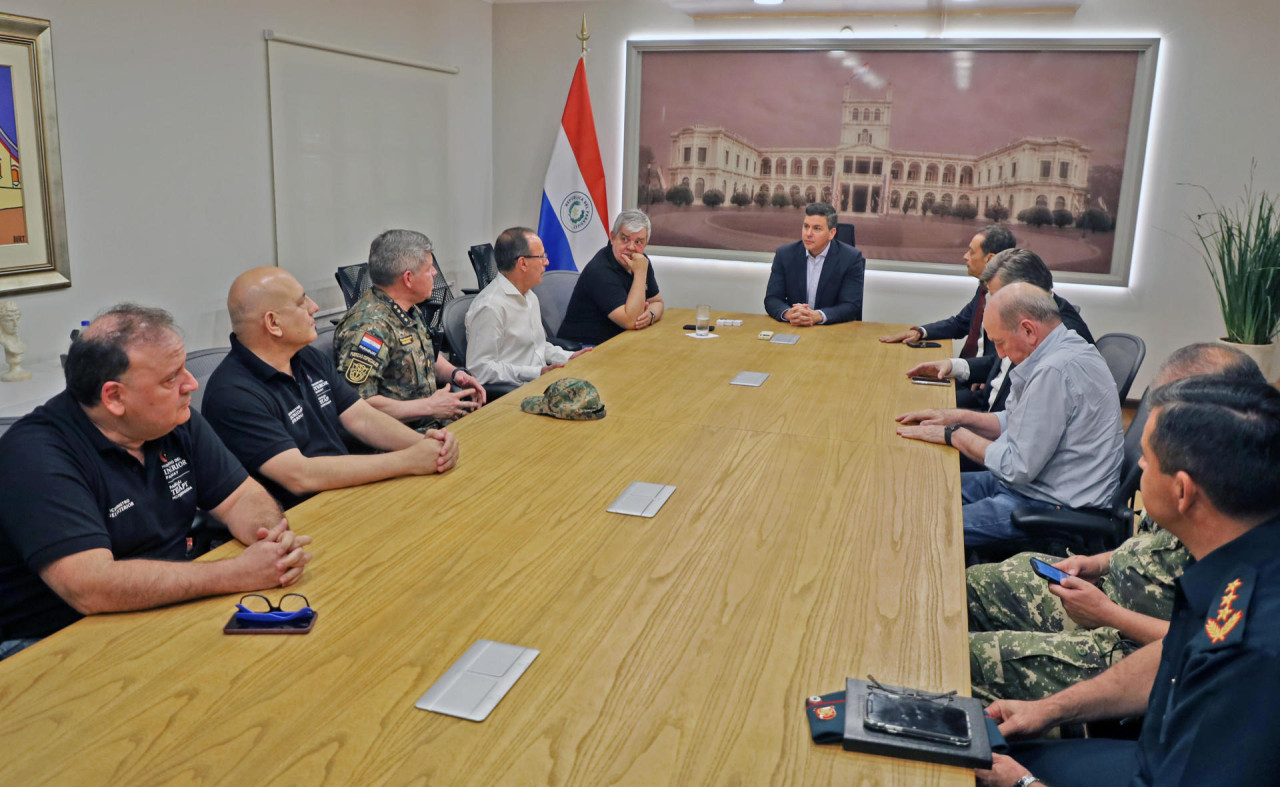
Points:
(714, 8)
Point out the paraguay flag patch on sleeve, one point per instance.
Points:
(371, 345)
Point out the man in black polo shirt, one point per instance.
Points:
(280, 405)
(617, 290)
(100, 485)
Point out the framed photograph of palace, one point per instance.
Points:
(33, 227)
(917, 144)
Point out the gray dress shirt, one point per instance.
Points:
(1061, 437)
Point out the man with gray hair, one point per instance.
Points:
(382, 346)
(506, 343)
(987, 372)
(1060, 441)
(817, 280)
(617, 290)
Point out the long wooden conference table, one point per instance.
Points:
(805, 543)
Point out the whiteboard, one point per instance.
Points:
(358, 146)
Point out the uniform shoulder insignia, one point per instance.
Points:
(371, 346)
(1225, 625)
(358, 370)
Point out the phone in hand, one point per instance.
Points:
(923, 380)
(922, 344)
(1053, 576)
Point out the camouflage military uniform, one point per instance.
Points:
(1022, 644)
(382, 350)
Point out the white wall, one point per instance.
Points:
(1214, 111)
(166, 143)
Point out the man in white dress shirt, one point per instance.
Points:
(506, 343)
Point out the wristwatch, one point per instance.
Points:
(1026, 781)
(453, 378)
(949, 430)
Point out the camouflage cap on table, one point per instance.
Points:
(570, 398)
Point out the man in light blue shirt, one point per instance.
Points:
(1060, 440)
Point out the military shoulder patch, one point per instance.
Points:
(406, 340)
(1225, 626)
(358, 369)
(371, 346)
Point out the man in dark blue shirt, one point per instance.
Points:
(100, 486)
(1211, 688)
(617, 290)
(281, 405)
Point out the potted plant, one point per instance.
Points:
(1241, 246)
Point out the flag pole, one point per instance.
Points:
(584, 35)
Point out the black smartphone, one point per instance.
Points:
(300, 626)
(930, 381)
(1047, 572)
(694, 327)
(922, 344)
(917, 717)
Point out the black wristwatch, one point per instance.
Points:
(949, 430)
(453, 378)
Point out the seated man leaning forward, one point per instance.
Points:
(280, 406)
(617, 290)
(817, 280)
(1208, 689)
(506, 343)
(100, 486)
(383, 348)
(1029, 638)
(1060, 440)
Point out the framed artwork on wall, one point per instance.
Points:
(918, 144)
(33, 227)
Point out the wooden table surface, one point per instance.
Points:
(805, 543)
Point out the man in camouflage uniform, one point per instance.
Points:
(1029, 639)
(382, 347)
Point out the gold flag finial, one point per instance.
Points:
(584, 35)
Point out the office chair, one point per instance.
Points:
(455, 328)
(1123, 353)
(433, 308)
(7, 422)
(324, 339)
(354, 282)
(554, 293)
(201, 364)
(481, 257)
(845, 233)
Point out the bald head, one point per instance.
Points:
(268, 305)
(1208, 358)
(1022, 301)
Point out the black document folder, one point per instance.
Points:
(857, 737)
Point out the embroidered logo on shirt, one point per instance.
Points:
(1227, 618)
(175, 472)
(119, 508)
(295, 415)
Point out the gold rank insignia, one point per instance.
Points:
(406, 340)
(358, 370)
(1219, 626)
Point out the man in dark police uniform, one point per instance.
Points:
(280, 405)
(100, 486)
(1211, 689)
(617, 290)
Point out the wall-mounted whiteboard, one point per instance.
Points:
(358, 146)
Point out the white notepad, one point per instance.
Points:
(641, 499)
(472, 687)
(753, 379)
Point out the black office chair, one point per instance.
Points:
(201, 364)
(455, 328)
(354, 282)
(482, 263)
(554, 293)
(7, 422)
(324, 339)
(1123, 353)
(1091, 530)
(433, 308)
(845, 233)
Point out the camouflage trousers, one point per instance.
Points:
(1022, 644)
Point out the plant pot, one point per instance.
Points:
(1262, 354)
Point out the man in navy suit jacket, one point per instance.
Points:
(817, 280)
